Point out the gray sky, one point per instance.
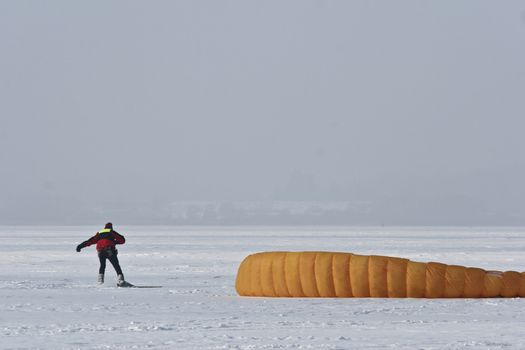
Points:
(414, 107)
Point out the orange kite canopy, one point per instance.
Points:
(346, 275)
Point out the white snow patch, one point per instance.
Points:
(49, 298)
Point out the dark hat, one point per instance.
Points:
(109, 225)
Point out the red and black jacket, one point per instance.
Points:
(105, 239)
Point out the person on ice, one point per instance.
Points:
(106, 240)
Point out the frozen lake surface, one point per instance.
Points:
(49, 298)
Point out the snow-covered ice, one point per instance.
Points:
(49, 298)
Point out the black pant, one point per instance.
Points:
(111, 255)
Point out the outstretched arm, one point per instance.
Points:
(87, 243)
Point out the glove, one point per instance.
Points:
(79, 247)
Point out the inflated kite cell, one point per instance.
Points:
(345, 275)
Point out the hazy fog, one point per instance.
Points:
(115, 110)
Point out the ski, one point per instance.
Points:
(129, 285)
